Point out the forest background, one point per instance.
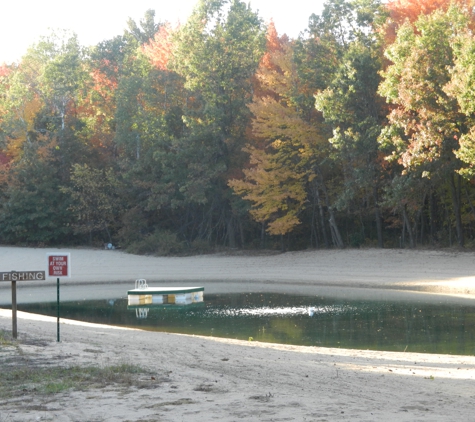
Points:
(221, 133)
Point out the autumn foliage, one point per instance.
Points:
(160, 48)
(401, 11)
(221, 132)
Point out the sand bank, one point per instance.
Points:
(205, 379)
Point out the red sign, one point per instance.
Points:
(59, 265)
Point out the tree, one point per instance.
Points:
(159, 49)
(284, 160)
(94, 199)
(147, 29)
(462, 87)
(401, 11)
(216, 52)
(33, 209)
(274, 186)
(53, 72)
(276, 191)
(44, 136)
(221, 74)
(356, 113)
(426, 123)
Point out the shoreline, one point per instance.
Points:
(205, 378)
(387, 274)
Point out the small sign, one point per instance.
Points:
(59, 265)
(22, 276)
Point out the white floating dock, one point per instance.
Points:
(165, 295)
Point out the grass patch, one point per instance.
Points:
(5, 339)
(17, 380)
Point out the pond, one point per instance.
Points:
(292, 319)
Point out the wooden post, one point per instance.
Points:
(13, 277)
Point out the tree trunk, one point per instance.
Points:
(241, 233)
(378, 218)
(108, 232)
(408, 226)
(337, 240)
(263, 235)
(456, 208)
(322, 217)
(314, 227)
(432, 217)
(469, 201)
(336, 237)
(422, 225)
(231, 234)
(402, 238)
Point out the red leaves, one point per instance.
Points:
(159, 50)
(4, 70)
(402, 10)
(102, 83)
(267, 64)
(274, 43)
(4, 159)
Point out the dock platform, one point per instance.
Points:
(146, 295)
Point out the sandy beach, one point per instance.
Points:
(204, 379)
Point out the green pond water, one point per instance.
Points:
(291, 319)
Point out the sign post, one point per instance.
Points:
(14, 310)
(59, 265)
(15, 276)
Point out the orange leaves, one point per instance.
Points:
(98, 107)
(46, 146)
(274, 119)
(4, 70)
(103, 84)
(274, 44)
(276, 182)
(26, 116)
(104, 80)
(100, 102)
(277, 192)
(427, 122)
(275, 114)
(401, 11)
(30, 111)
(159, 50)
(268, 66)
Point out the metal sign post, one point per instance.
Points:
(15, 276)
(59, 265)
(57, 309)
(14, 322)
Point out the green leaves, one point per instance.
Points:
(217, 54)
(33, 209)
(299, 130)
(94, 196)
(427, 121)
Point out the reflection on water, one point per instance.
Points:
(141, 313)
(298, 320)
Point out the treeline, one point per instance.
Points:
(220, 132)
